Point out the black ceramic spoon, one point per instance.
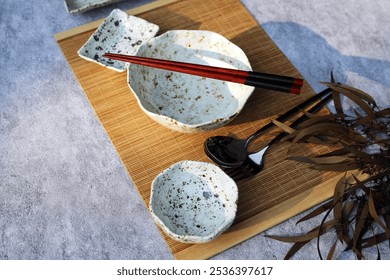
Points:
(229, 152)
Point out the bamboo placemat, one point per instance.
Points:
(282, 190)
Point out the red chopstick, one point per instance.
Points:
(256, 79)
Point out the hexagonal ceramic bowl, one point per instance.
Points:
(185, 102)
(193, 202)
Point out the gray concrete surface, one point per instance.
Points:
(64, 193)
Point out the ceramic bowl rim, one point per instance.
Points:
(196, 238)
(201, 125)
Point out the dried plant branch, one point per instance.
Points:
(359, 142)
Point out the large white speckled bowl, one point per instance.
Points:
(184, 102)
(193, 202)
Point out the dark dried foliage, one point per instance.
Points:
(359, 212)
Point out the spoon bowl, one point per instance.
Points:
(226, 150)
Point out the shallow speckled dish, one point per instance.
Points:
(184, 102)
(119, 33)
(80, 6)
(193, 202)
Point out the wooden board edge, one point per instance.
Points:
(263, 221)
(94, 24)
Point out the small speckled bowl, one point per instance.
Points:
(193, 202)
(119, 33)
(184, 102)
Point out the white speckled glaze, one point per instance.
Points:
(193, 202)
(184, 102)
(80, 6)
(119, 33)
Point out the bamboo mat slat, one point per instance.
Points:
(282, 190)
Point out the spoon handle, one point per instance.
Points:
(289, 113)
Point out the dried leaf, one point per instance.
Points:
(308, 236)
(331, 251)
(319, 230)
(361, 217)
(355, 98)
(347, 209)
(374, 214)
(338, 204)
(383, 113)
(338, 152)
(337, 102)
(386, 217)
(324, 141)
(374, 240)
(360, 93)
(362, 184)
(358, 253)
(301, 159)
(320, 160)
(286, 128)
(358, 114)
(329, 160)
(359, 182)
(329, 131)
(320, 233)
(319, 210)
(320, 127)
(368, 120)
(322, 119)
(336, 97)
(342, 167)
(332, 80)
(295, 248)
(379, 253)
(351, 91)
(358, 153)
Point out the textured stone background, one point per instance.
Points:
(63, 191)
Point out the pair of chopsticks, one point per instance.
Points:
(250, 78)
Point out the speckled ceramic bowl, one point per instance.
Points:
(193, 202)
(184, 102)
(119, 33)
(80, 6)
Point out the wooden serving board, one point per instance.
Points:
(282, 190)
